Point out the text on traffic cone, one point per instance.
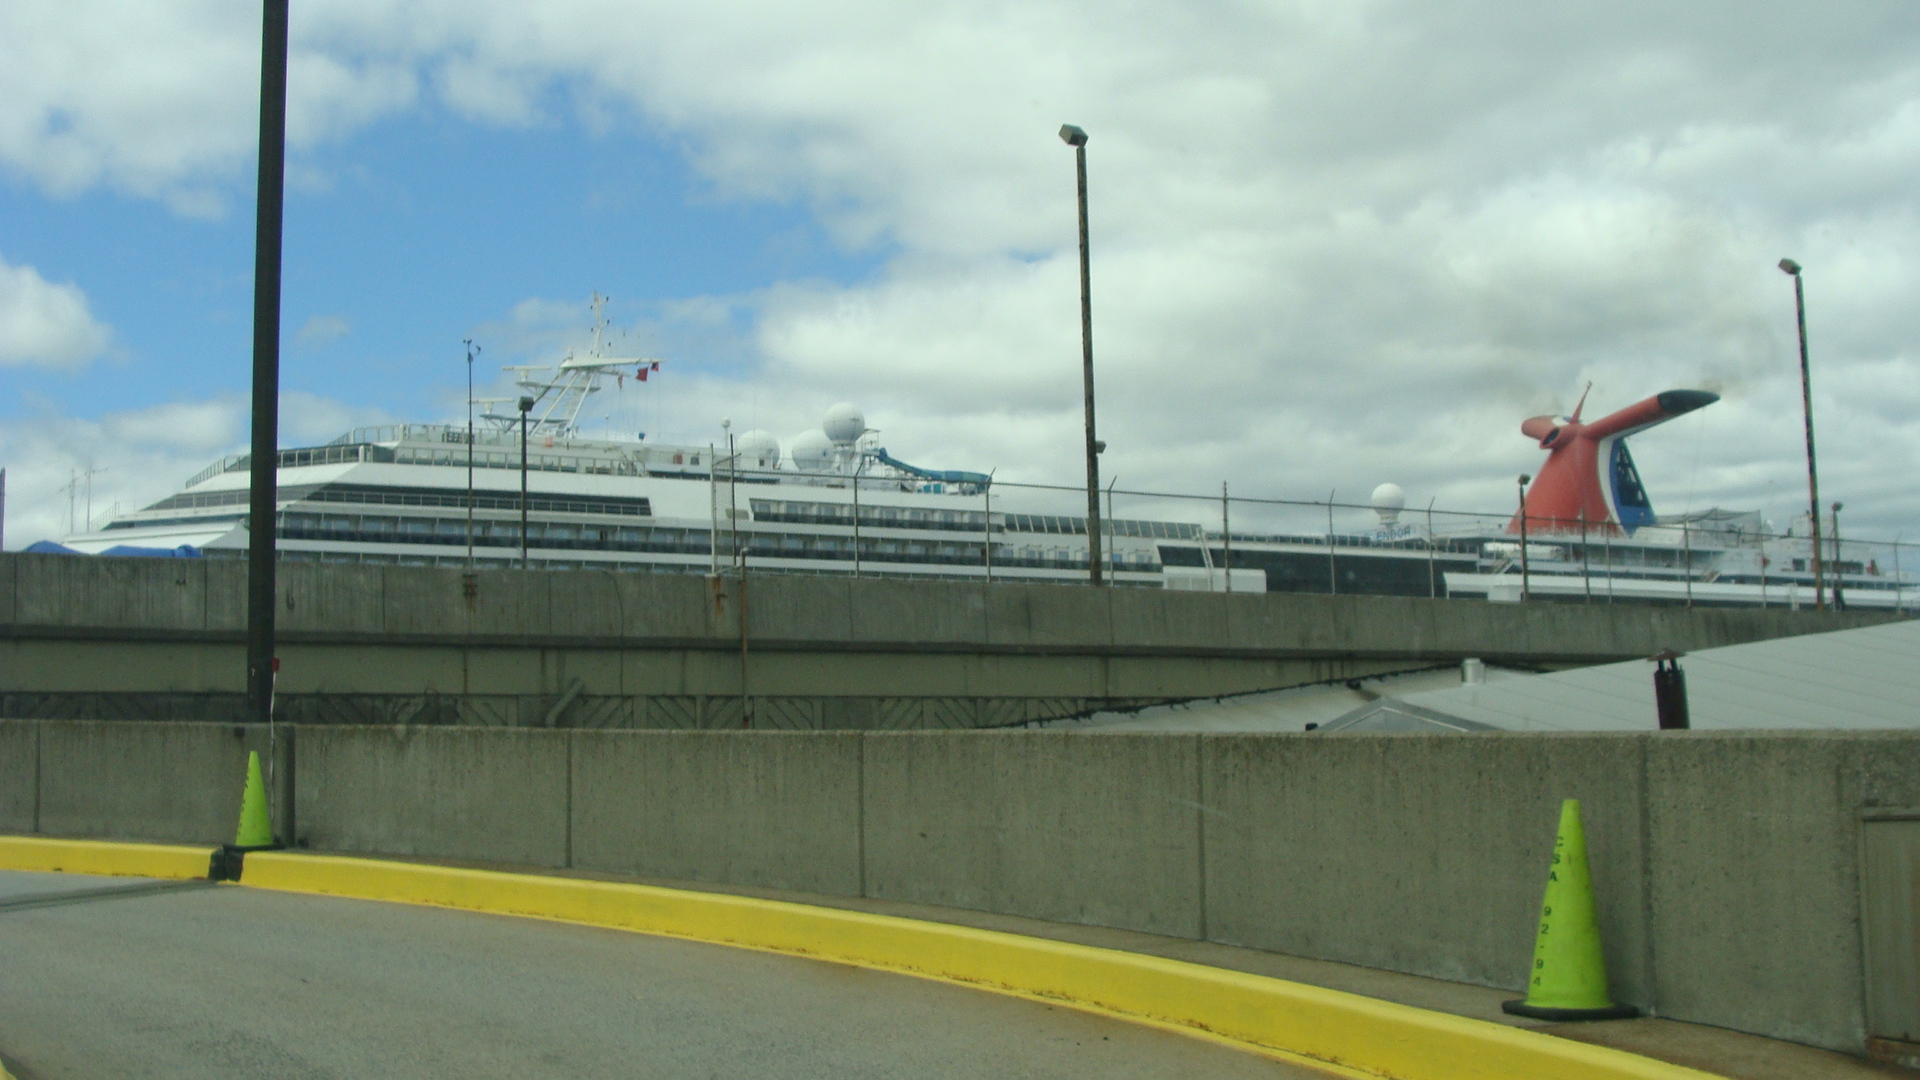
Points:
(1568, 979)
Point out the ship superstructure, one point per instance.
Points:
(836, 502)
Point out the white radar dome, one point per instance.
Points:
(812, 451)
(758, 450)
(1388, 501)
(844, 423)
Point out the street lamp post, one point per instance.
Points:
(526, 406)
(1839, 601)
(264, 474)
(1792, 270)
(471, 349)
(1526, 589)
(1077, 139)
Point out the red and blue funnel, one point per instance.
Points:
(1589, 482)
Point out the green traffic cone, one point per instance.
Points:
(255, 830)
(1568, 980)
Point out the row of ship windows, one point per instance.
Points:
(819, 513)
(432, 455)
(365, 528)
(495, 459)
(780, 511)
(1077, 526)
(484, 500)
(368, 495)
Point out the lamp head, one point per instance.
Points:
(1790, 267)
(526, 404)
(1072, 136)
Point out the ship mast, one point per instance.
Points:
(560, 392)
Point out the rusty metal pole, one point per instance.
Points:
(1806, 401)
(1077, 139)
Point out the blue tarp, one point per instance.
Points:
(184, 551)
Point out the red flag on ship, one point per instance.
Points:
(641, 374)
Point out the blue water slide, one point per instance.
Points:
(945, 476)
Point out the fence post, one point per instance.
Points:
(1333, 579)
(1226, 540)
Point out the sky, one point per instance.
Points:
(1334, 243)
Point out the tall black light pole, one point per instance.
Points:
(1077, 139)
(263, 496)
(1806, 400)
(526, 406)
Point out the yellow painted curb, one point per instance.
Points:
(104, 857)
(1267, 1015)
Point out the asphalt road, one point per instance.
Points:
(186, 980)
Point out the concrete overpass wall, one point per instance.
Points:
(1726, 865)
(163, 639)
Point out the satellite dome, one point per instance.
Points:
(812, 451)
(1388, 501)
(758, 450)
(844, 423)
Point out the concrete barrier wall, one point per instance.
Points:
(1725, 865)
(1419, 853)
(775, 809)
(19, 777)
(1099, 830)
(164, 782)
(486, 794)
(1753, 875)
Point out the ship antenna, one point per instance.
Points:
(1582, 403)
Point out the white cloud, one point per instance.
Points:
(162, 99)
(44, 324)
(1334, 243)
(321, 329)
(137, 456)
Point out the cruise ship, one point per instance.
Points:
(528, 488)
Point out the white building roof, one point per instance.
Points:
(1291, 709)
(1862, 679)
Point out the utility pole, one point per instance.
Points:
(264, 476)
